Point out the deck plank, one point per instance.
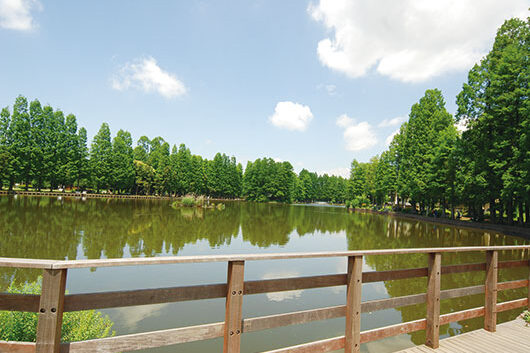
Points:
(511, 337)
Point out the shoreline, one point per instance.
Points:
(517, 231)
(98, 196)
(523, 232)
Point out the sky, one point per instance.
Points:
(315, 83)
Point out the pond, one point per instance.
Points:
(68, 228)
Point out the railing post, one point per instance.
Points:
(490, 305)
(51, 311)
(353, 304)
(529, 286)
(234, 307)
(433, 300)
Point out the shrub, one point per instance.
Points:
(77, 326)
(188, 201)
(526, 316)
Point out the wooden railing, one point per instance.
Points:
(53, 301)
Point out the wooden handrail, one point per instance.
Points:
(67, 264)
(53, 301)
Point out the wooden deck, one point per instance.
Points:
(511, 337)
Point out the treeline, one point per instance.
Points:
(41, 148)
(484, 168)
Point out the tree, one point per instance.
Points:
(494, 101)
(123, 172)
(20, 134)
(101, 158)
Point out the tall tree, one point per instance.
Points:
(101, 158)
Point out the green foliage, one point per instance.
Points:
(526, 316)
(77, 326)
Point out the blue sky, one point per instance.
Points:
(315, 83)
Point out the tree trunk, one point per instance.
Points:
(527, 213)
(509, 211)
(520, 206)
(493, 216)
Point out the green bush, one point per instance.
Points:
(77, 326)
(526, 316)
(188, 201)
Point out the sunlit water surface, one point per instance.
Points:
(51, 228)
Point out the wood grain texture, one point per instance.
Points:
(461, 315)
(512, 284)
(512, 304)
(432, 330)
(277, 256)
(62, 264)
(327, 345)
(294, 318)
(234, 307)
(51, 311)
(17, 347)
(26, 263)
(74, 302)
(146, 340)
(295, 283)
(490, 308)
(393, 330)
(19, 302)
(352, 335)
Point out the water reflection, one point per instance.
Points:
(40, 227)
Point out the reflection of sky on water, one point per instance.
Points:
(47, 228)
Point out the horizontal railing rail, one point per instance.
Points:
(53, 301)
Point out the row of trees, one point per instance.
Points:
(41, 147)
(487, 167)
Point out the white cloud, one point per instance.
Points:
(409, 40)
(461, 125)
(16, 14)
(340, 171)
(390, 137)
(358, 136)
(291, 116)
(392, 122)
(145, 74)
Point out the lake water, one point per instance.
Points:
(51, 228)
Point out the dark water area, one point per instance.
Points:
(52, 228)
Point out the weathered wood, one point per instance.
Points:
(393, 330)
(461, 315)
(377, 276)
(463, 268)
(17, 347)
(295, 283)
(512, 264)
(51, 311)
(26, 263)
(490, 308)
(389, 303)
(146, 340)
(19, 302)
(277, 256)
(510, 337)
(512, 304)
(353, 305)
(294, 318)
(75, 302)
(461, 292)
(327, 345)
(433, 300)
(234, 307)
(512, 284)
